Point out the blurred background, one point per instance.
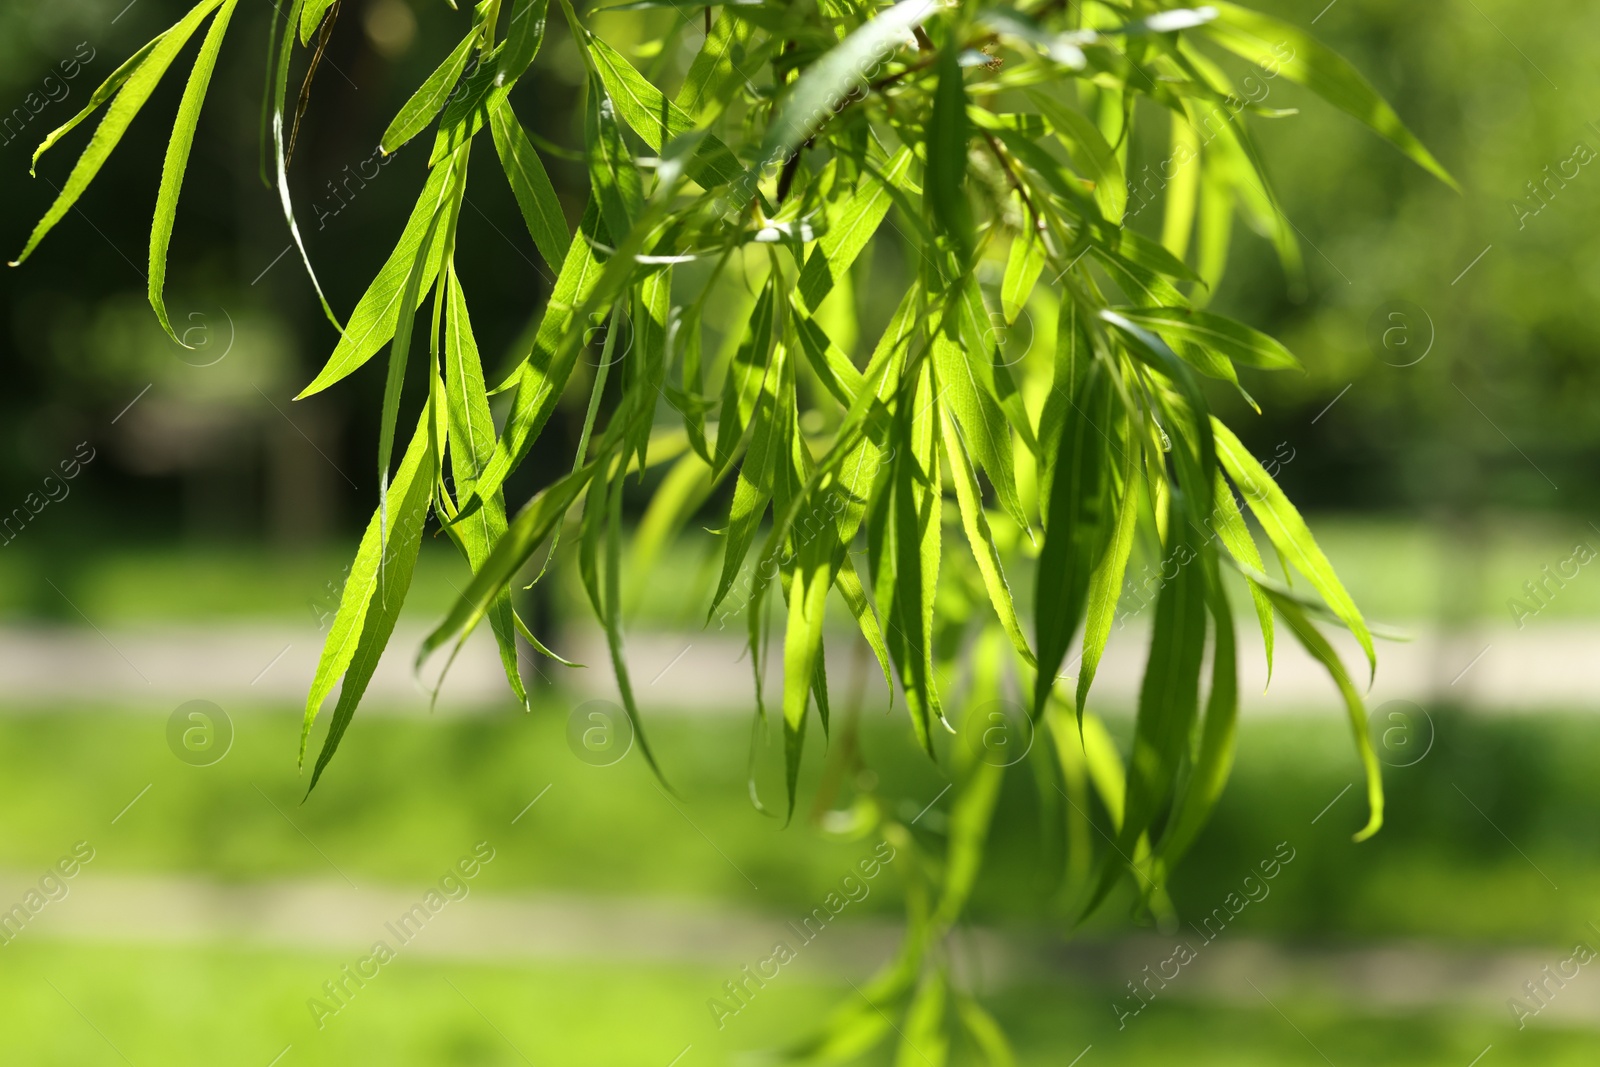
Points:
(173, 529)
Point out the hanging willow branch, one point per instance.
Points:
(992, 141)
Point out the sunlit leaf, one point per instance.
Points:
(429, 99)
(140, 81)
(177, 160)
(1283, 49)
(1289, 533)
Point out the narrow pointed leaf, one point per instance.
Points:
(1219, 334)
(1277, 46)
(311, 17)
(430, 97)
(945, 185)
(1105, 583)
(472, 438)
(612, 174)
(541, 210)
(1089, 151)
(523, 38)
(903, 547)
(980, 537)
(1289, 532)
(851, 227)
(1077, 525)
(657, 120)
(372, 324)
(1214, 760)
(105, 91)
(140, 82)
(177, 159)
(1306, 632)
(1235, 536)
(373, 593)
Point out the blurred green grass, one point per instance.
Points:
(225, 1006)
(1477, 836)
(407, 795)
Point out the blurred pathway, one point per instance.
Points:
(1554, 666)
(341, 920)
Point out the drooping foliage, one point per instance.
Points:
(906, 472)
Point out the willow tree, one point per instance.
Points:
(989, 143)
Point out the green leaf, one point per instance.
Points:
(1229, 525)
(824, 86)
(644, 374)
(1089, 151)
(1279, 47)
(1169, 696)
(848, 581)
(1195, 450)
(542, 375)
(611, 616)
(1105, 582)
(1077, 524)
(978, 779)
(401, 348)
(1215, 228)
(104, 92)
(833, 368)
(771, 422)
(803, 658)
(1217, 333)
(742, 384)
(136, 88)
(1182, 190)
(430, 97)
(612, 174)
(529, 529)
(472, 438)
(177, 160)
(657, 120)
(945, 187)
(851, 225)
(1200, 791)
(680, 494)
(467, 109)
(903, 548)
(547, 225)
(715, 77)
(376, 587)
(523, 38)
(963, 364)
(1073, 356)
(279, 75)
(1306, 632)
(1289, 533)
(969, 497)
(311, 17)
(922, 1040)
(1024, 263)
(373, 321)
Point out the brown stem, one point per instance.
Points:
(1016, 183)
